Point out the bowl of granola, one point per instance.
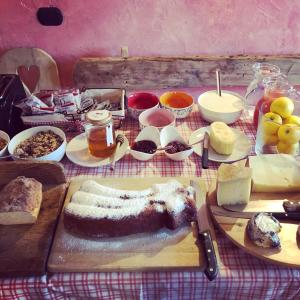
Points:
(4, 140)
(41, 143)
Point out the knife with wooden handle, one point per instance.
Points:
(273, 206)
(204, 158)
(220, 211)
(204, 234)
(291, 206)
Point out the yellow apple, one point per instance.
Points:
(282, 106)
(271, 140)
(289, 133)
(292, 149)
(271, 123)
(292, 120)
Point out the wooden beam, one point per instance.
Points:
(166, 72)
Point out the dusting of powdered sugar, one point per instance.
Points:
(85, 198)
(135, 242)
(92, 212)
(85, 203)
(91, 186)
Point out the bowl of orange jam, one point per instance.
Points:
(179, 103)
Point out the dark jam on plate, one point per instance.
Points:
(144, 146)
(177, 147)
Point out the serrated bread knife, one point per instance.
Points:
(204, 234)
(220, 211)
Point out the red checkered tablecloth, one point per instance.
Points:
(241, 276)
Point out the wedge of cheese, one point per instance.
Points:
(275, 173)
(221, 138)
(233, 184)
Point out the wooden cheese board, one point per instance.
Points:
(235, 228)
(24, 249)
(163, 250)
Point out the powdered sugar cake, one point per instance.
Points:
(162, 248)
(100, 211)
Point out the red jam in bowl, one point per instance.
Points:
(177, 147)
(142, 101)
(144, 146)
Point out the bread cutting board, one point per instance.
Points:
(235, 228)
(162, 250)
(24, 249)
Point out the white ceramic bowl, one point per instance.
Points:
(149, 133)
(156, 117)
(227, 108)
(4, 136)
(171, 134)
(56, 155)
(139, 102)
(182, 103)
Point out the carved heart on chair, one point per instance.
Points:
(30, 76)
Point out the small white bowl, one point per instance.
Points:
(56, 155)
(149, 133)
(4, 136)
(171, 134)
(227, 108)
(156, 117)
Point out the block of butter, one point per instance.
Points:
(275, 173)
(221, 138)
(233, 184)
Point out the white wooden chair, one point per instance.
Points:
(36, 68)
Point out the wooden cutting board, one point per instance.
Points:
(163, 250)
(24, 249)
(235, 229)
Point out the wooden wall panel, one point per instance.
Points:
(166, 72)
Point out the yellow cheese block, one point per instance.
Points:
(221, 138)
(233, 184)
(275, 173)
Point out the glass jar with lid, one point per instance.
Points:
(255, 90)
(100, 133)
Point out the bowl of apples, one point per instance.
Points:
(278, 127)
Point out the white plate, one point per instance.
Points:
(241, 148)
(78, 153)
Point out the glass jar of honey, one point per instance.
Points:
(100, 133)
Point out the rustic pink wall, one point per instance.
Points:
(152, 28)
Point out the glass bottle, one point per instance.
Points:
(255, 90)
(100, 133)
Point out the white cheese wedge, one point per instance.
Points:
(233, 184)
(221, 138)
(275, 173)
